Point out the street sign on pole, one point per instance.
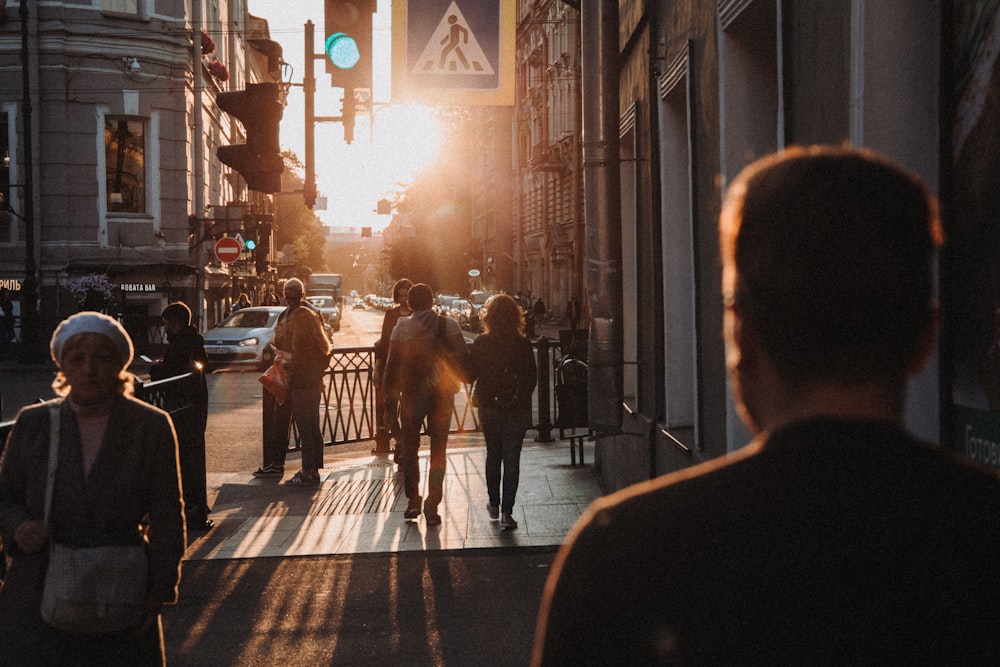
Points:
(228, 249)
(453, 52)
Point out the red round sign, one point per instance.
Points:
(228, 249)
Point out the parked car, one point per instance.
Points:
(329, 309)
(244, 338)
(476, 301)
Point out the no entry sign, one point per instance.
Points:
(228, 249)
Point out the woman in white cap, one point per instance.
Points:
(116, 483)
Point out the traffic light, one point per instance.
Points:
(348, 43)
(259, 160)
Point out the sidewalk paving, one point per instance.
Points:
(358, 507)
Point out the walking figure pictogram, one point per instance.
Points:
(453, 48)
(456, 35)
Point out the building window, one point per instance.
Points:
(120, 6)
(125, 160)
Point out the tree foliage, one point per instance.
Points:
(296, 225)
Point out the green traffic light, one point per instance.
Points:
(251, 244)
(342, 50)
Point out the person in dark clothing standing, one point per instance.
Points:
(387, 410)
(835, 537)
(503, 366)
(185, 353)
(540, 310)
(427, 362)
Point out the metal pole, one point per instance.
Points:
(309, 91)
(603, 213)
(31, 332)
(544, 404)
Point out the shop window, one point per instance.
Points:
(125, 157)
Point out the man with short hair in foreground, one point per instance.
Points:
(835, 537)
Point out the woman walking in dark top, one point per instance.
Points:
(504, 367)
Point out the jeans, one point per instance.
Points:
(504, 433)
(305, 412)
(302, 406)
(437, 408)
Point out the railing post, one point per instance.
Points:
(544, 391)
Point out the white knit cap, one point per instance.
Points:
(92, 322)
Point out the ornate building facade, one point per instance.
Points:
(109, 130)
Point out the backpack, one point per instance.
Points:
(440, 375)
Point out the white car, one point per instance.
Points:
(244, 338)
(329, 309)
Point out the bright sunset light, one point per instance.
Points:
(352, 177)
(408, 138)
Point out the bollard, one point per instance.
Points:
(544, 405)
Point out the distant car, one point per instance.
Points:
(329, 309)
(476, 301)
(244, 338)
(357, 303)
(444, 303)
(458, 313)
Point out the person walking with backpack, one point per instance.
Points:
(428, 359)
(503, 366)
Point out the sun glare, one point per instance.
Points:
(407, 137)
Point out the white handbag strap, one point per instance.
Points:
(50, 480)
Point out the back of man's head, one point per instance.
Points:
(420, 297)
(177, 312)
(828, 253)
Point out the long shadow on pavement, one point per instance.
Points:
(467, 607)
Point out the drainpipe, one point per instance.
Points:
(198, 141)
(602, 194)
(32, 346)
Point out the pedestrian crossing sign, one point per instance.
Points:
(453, 52)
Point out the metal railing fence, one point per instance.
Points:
(347, 404)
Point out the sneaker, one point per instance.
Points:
(494, 511)
(302, 479)
(432, 516)
(269, 470)
(413, 509)
(507, 521)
